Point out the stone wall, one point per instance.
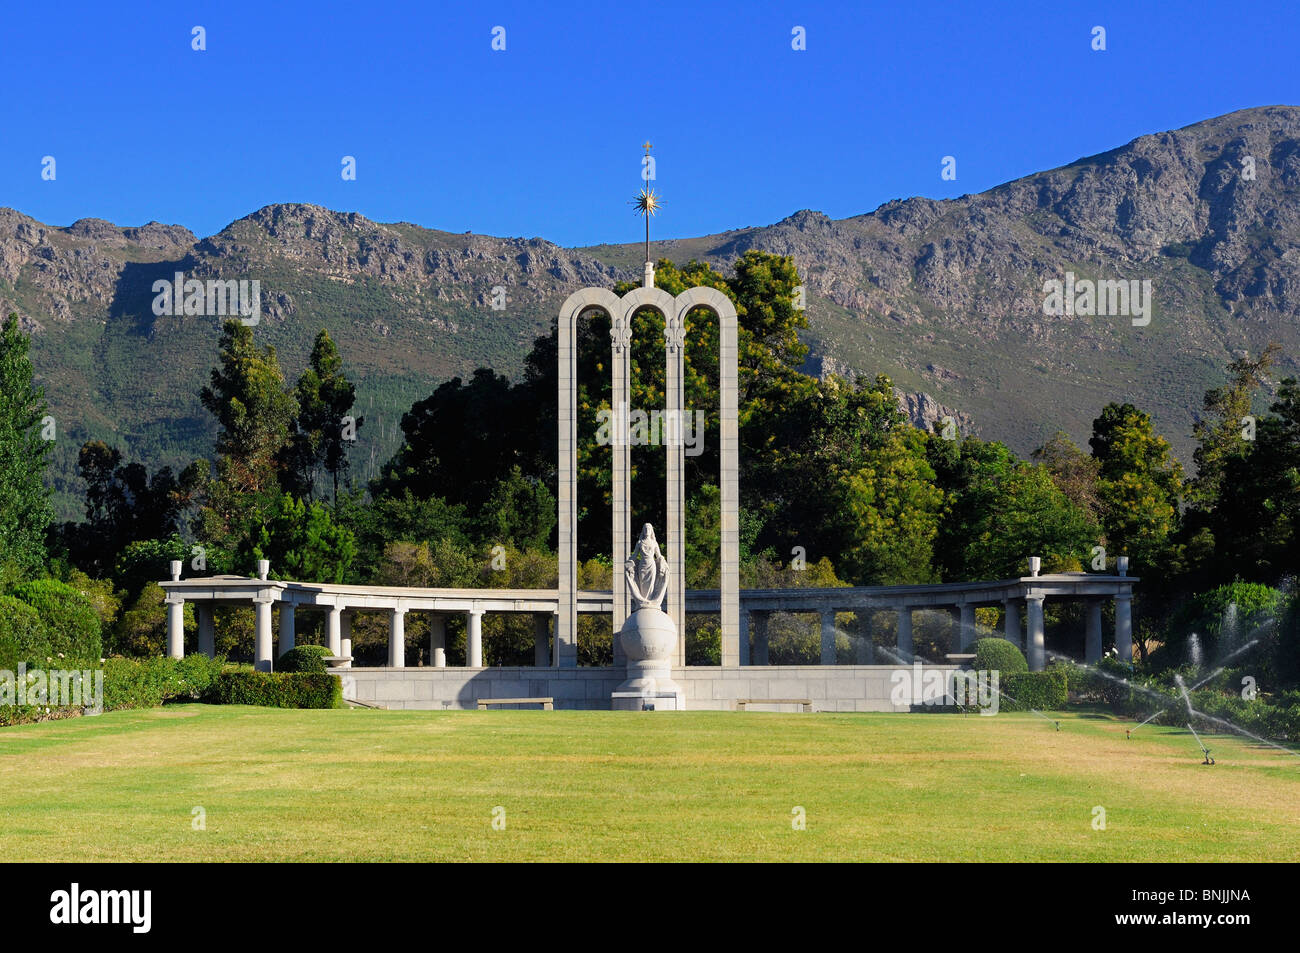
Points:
(829, 687)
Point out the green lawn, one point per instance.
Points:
(392, 785)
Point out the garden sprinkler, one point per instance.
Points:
(1208, 759)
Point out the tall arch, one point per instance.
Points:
(565, 653)
(621, 311)
(728, 473)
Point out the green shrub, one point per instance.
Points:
(147, 683)
(304, 658)
(1044, 691)
(999, 655)
(70, 617)
(277, 689)
(23, 636)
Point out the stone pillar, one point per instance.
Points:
(1092, 638)
(759, 655)
(334, 629)
(345, 637)
(397, 638)
(176, 627)
(286, 628)
(729, 474)
(541, 650)
(262, 660)
(620, 333)
(865, 649)
(438, 640)
(675, 473)
(474, 639)
(966, 637)
(1011, 621)
(207, 629)
(828, 636)
(905, 633)
(1124, 626)
(1036, 652)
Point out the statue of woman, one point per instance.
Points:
(647, 572)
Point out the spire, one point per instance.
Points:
(647, 204)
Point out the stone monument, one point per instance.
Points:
(649, 636)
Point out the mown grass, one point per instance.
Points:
(392, 785)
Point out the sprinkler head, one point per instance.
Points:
(1128, 734)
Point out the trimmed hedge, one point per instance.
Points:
(1045, 691)
(304, 658)
(999, 655)
(277, 689)
(147, 683)
(69, 616)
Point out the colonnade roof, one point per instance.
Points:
(848, 598)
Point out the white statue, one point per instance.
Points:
(647, 572)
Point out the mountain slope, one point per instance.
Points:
(945, 296)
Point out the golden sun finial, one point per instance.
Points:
(647, 202)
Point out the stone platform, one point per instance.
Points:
(829, 687)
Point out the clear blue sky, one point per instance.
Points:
(542, 139)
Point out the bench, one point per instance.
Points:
(548, 704)
(742, 702)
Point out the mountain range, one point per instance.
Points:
(945, 296)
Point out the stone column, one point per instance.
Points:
(438, 640)
(729, 476)
(1011, 621)
(675, 474)
(541, 650)
(286, 627)
(865, 649)
(397, 638)
(1092, 638)
(207, 629)
(1036, 652)
(828, 636)
(620, 333)
(760, 654)
(262, 660)
(966, 636)
(176, 627)
(345, 637)
(566, 629)
(1124, 626)
(474, 639)
(905, 633)
(333, 629)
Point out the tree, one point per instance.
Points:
(322, 430)
(1073, 471)
(1225, 432)
(1001, 510)
(248, 397)
(1139, 486)
(25, 510)
(123, 505)
(303, 543)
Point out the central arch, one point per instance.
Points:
(674, 312)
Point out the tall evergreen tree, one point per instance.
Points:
(321, 434)
(249, 399)
(25, 510)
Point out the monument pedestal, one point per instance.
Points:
(649, 640)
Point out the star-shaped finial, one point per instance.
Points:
(647, 202)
